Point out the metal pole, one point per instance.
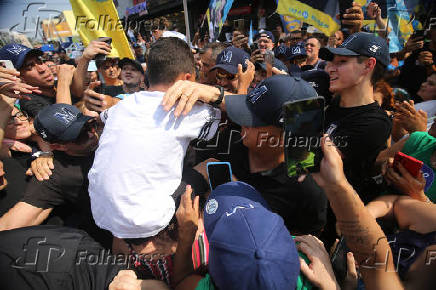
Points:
(188, 32)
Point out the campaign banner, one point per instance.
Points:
(99, 18)
(217, 15)
(320, 14)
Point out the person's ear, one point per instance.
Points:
(58, 147)
(370, 64)
(189, 77)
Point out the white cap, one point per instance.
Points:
(174, 34)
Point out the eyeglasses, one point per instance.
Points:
(220, 76)
(22, 116)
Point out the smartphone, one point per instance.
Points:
(339, 260)
(343, 6)
(239, 25)
(418, 33)
(108, 40)
(304, 128)
(254, 46)
(6, 63)
(218, 173)
(269, 61)
(412, 165)
(102, 88)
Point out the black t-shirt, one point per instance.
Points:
(67, 192)
(113, 91)
(36, 104)
(51, 257)
(15, 173)
(303, 206)
(68, 183)
(360, 133)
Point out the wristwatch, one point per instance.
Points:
(218, 102)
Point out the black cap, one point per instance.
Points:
(135, 64)
(263, 105)
(360, 43)
(277, 64)
(60, 122)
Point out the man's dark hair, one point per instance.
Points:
(377, 73)
(217, 48)
(167, 59)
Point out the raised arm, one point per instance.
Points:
(363, 235)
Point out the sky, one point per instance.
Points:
(11, 12)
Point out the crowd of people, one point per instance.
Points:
(103, 164)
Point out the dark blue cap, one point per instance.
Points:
(265, 33)
(60, 122)
(277, 64)
(16, 53)
(249, 246)
(229, 59)
(360, 43)
(282, 50)
(297, 50)
(263, 105)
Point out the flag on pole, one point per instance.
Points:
(99, 18)
(217, 15)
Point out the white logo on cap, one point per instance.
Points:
(296, 50)
(65, 116)
(227, 56)
(211, 206)
(282, 50)
(239, 207)
(16, 49)
(374, 48)
(43, 134)
(257, 93)
(348, 40)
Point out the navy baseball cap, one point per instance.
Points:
(229, 59)
(277, 64)
(263, 105)
(360, 43)
(249, 246)
(132, 62)
(265, 33)
(60, 122)
(297, 50)
(282, 50)
(16, 53)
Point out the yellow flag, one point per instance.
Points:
(99, 18)
(306, 13)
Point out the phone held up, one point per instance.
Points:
(218, 173)
(304, 128)
(108, 40)
(412, 165)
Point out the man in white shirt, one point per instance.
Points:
(138, 165)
